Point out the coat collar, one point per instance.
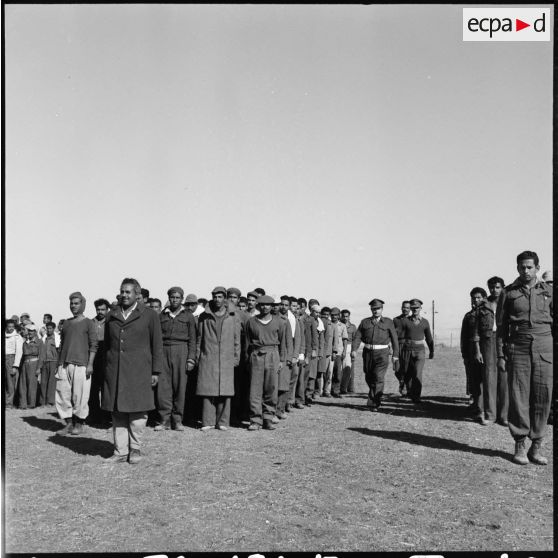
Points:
(231, 310)
(116, 313)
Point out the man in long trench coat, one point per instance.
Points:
(134, 347)
(218, 351)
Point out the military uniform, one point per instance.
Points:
(527, 343)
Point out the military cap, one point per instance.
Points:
(175, 290)
(25, 314)
(254, 294)
(416, 303)
(31, 327)
(335, 311)
(376, 303)
(266, 299)
(191, 298)
(219, 290)
(233, 291)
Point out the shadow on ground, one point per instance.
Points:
(431, 442)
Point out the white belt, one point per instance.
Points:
(375, 347)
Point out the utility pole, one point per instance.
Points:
(433, 330)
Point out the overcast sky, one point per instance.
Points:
(336, 152)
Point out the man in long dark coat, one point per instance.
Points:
(134, 347)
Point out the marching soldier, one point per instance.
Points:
(376, 333)
(397, 322)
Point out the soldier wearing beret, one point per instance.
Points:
(179, 356)
(526, 334)
(415, 330)
(376, 333)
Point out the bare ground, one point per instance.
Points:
(331, 477)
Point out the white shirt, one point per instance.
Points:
(292, 321)
(126, 313)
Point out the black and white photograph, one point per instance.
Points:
(277, 278)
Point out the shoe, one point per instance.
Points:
(534, 453)
(483, 421)
(336, 395)
(161, 427)
(373, 409)
(309, 402)
(288, 408)
(179, 427)
(503, 422)
(206, 428)
(135, 457)
(281, 415)
(221, 427)
(269, 425)
(68, 427)
(255, 426)
(114, 458)
(343, 392)
(77, 429)
(520, 456)
(275, 419)
(298, 405)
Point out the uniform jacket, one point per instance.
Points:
(134, 352)
(381, 333)
(217, 359)
(328, 337)
(179, 330)
(311, 338)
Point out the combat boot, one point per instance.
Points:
(534, 453)
(520, 456)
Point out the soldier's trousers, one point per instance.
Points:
(171, 388)
(27, 386)
(264, 366)
(412, 359)
(311, 379)
(489, 377)
(48, 382)
(400, 374)
(336, 374)
(10, 379)
(530, 385)
(283, 385)
(375, 363)
(302, 382)
(475, 372)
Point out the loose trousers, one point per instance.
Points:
(302, 382)
(489, 377)
(311, 378)
(295, 372)
(10, 379)
(27, 385)
(375, 363)
(412, 358)
(171, 388)
(336, 367)
(475, 372)
(530, 385)
(400, 374)
(216, 411)
(283, 386)
(72, 391)
(48, 382)
(127, 429)
(240, 400)
(96, 414)
(347, 373)
(263, 385)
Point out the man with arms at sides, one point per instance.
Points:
(49, 364)
(298, 351)
(178, 328)
(96, 415)
(325, 369)
(285, 373)
(134, 348)
(78, 346)
(267, 353)
(416, 330)
(239, 403)
(496, 288)
(13, 351)
(47, 318)
(339, 351)
(473, 356)
(347, 379)
(398, 322)
(317, 324)
(376, 333)
(310, 334)
(526, 333)
(31, 363)
(218, 350)
(252, 297)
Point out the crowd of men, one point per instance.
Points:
(252, 360)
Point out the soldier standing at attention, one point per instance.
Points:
(526, 334)
(376, 333)
(348, 379)
(398, 322)
(415, 331)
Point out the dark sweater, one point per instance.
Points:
(77, 340)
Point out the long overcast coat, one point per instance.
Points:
(216, 360)
(134, 349)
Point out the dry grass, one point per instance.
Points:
(332, 477)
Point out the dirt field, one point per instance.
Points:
(331, 477)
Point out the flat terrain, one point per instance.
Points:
(331, 477)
